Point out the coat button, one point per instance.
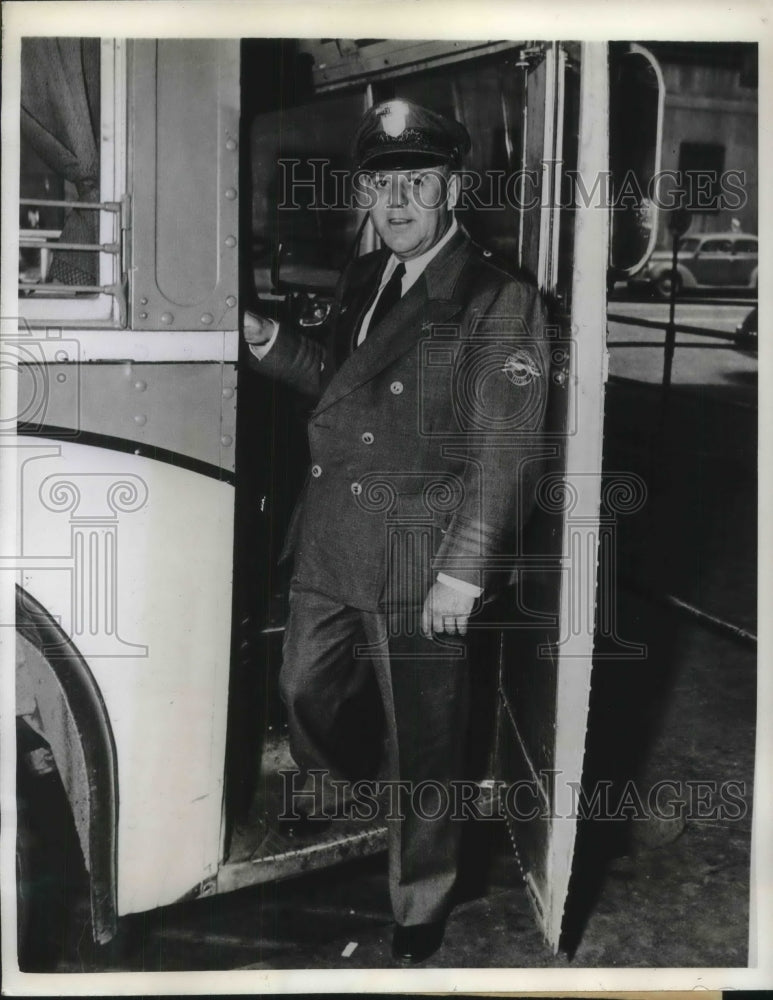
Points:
(316, 471)
(396, 388)
(367, 438)
(356, 489)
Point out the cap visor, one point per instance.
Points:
(404, 159)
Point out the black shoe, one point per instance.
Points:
(414, 944)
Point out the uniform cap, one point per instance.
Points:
(402, 135)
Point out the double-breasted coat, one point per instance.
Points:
(430, 430)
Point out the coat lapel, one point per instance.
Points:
(362, 285)
(430, 300)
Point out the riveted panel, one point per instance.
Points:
(184, 140)
(173, 412)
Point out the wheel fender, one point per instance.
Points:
(688, 281)
(59, 698)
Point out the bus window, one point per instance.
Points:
(71, 180)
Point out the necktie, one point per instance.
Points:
(390, 295)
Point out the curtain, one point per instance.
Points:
(60, 90)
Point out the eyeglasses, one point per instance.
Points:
(417, 180)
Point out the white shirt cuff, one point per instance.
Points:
(461, 585)
(261, 350)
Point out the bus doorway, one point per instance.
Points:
(523, 105)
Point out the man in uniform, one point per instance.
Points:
(429, 397)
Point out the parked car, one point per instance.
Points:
(708, 261)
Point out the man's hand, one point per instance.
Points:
(257, 329)
(446, 610)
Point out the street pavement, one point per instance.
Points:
(717, 366)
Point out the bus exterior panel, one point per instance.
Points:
(115, 549)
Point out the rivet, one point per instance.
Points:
(228, 392)
(207, 318)
(143, 315)
(143, 301)
(230, 145)
(230, 193)
(140, 419)
(226, 440)
(230, 301)
(316, 471)
(140, 386)
(166, 317)
(230, 241)
(61, 377)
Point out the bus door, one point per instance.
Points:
(575, 157)
(548, 617)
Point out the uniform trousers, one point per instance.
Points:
(331, 653)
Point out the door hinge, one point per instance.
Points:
(124, 266)
(531, 55)
(571, 51)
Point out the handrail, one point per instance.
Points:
(54, 245)
(107, 206)
(730, 346)
(117, 289)
(50, 286)
(654, 324)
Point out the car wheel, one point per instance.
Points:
(663, 285)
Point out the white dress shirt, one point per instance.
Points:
(413, 271)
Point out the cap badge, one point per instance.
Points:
(393, 118)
